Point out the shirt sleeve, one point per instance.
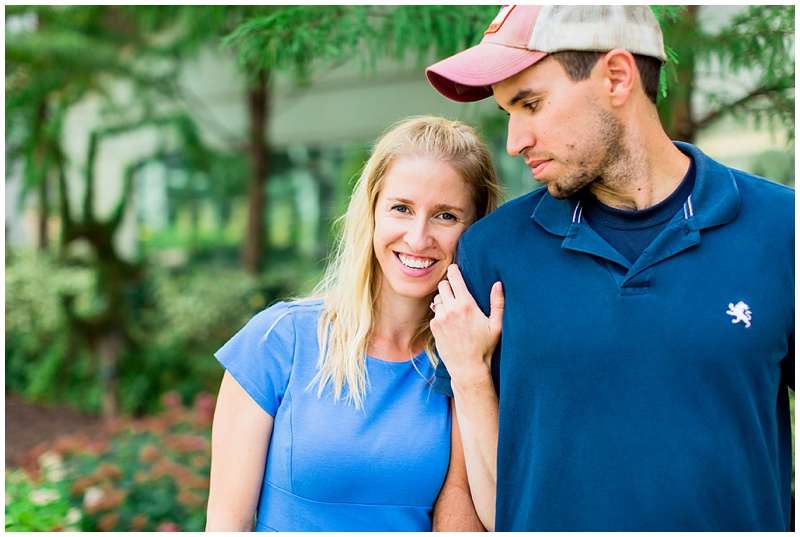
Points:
(260, 356)
(441, 380)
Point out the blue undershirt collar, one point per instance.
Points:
(714, 200)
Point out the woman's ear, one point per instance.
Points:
(620, 74)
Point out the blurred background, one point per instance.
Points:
(172, 170)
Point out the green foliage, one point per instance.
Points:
(38, 349)
(58, 57)
(302, 39)
(749, 59)
(136, 475)
(179, 321)
(667, 16)
(760, 41)
(43, 506)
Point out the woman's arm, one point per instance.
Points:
(476, 403)
(465, 340)
(239, 442)
(454, 510)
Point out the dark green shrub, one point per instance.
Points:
(176, 321)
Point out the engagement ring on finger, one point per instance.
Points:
(433, 307)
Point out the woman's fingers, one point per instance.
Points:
(459, 288)
(445, 292)
(498, 303)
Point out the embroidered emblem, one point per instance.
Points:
(499, 19)
(740, 312)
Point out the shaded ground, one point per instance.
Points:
(28, 425)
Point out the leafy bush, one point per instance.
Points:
(36, 338)
(41, 506)
(146, 474)
(176, 322)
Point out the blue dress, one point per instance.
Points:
(331, 467)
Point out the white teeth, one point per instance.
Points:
(413, 262)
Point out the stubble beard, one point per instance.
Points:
(585, 168)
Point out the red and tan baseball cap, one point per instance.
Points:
(520, 36)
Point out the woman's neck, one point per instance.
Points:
(397, 327)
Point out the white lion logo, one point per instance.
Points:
(741, 313)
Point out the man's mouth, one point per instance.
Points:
(537, 166)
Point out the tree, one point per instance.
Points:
(191, 28)
(300, 41)
(755, 48)
(758, 41)
(55, 56)
(65, 54)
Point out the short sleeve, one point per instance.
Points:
(260, 356)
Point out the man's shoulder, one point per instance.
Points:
(509, 215)
(764, 198)
(746, 182)
(723, 194)
(763, 186)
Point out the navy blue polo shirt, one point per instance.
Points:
(645, 395)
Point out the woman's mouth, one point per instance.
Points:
(414, 262)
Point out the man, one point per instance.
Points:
(648, 324)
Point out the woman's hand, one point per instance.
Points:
(465, 337)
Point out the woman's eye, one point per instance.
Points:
(400, 208)
(449, 217)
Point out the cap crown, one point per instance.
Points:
(520, 36)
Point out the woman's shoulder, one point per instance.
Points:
(286, 313)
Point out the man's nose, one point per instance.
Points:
(520, 135)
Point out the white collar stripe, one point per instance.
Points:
(576, 215)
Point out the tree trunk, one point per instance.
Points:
(109, 351)
(43, 218)
(42, 171)
(328, 202)
(258, 104)
(677, 114)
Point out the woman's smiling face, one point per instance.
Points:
(422, 209)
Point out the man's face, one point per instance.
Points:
(559, 126)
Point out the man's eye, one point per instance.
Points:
(532, 106)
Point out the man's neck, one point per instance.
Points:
(646, 178)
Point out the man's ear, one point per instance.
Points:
(620, 72)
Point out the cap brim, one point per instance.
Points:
(468, 76)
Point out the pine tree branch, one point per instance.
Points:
(719, 112)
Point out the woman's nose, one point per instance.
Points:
(418, 236)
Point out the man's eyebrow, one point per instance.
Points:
(521, 94)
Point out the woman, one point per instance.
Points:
(325, 420)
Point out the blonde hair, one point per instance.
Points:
(350, 284)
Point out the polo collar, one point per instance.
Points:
(714, 200)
